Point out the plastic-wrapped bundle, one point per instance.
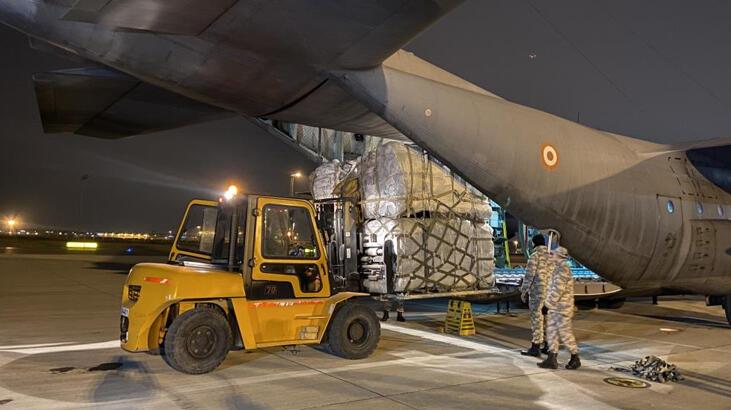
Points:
(431, 254)
(324, 178)
(397, 180)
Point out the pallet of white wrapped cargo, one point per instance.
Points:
(398, 180)
(430, 255)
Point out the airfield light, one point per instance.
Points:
(11, 223)
(231, 192)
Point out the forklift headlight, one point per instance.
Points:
(133, 292)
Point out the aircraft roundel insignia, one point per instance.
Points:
(549, 156)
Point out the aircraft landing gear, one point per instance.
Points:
(727, 307)
(611, 303)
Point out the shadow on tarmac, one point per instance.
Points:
(121, 268)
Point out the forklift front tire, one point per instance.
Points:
(197, 341)
(354, 332)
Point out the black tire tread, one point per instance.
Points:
(337, 343)
(188, 365)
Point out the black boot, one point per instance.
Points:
(533, 351)
(385, 316)
(400, 317)
(551, 361)
(544, 349)
(574, 363)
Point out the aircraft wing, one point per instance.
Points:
(105, 103)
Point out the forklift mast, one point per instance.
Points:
(337, 220)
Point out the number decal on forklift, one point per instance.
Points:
(288, 303)
(270, 290)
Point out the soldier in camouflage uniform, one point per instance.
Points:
(533, 290)
(560, 304)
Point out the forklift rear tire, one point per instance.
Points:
(197, 341)
(354, 332)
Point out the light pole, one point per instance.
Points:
(83, 179)
(292, 177)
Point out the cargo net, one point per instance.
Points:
(654, 369)
(428, 255)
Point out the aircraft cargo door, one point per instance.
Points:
(668, 240)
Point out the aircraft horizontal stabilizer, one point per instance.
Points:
(104, 103)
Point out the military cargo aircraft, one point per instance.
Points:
(652, 218)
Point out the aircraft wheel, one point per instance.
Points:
(197, 341)
(611, 303)
(354, 332)
(727, 307)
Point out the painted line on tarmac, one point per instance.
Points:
(451, 340)
(436, 337)
(55, 348)
(35, 345)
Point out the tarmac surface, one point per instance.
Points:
(59, 319)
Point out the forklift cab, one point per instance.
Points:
(284, 252)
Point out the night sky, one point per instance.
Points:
(652, 69)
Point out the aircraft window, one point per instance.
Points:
(288, 233)
(199, 230)
(670, 207)
(699, 208)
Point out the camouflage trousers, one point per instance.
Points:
(559, 328)
(537, 321)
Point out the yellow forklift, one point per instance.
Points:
(248, 272)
